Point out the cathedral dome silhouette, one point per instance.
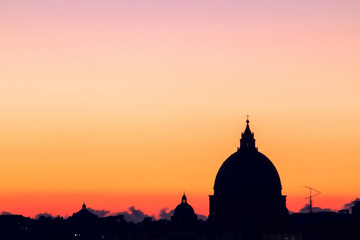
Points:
(184, 212)
(247, 185)
(84, 213)
(247, 171)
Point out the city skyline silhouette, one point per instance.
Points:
(247, 204)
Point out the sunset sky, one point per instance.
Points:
(131, 103)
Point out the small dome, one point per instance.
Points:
(84, 213)
(184, 212)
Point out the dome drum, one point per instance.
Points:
(225, 208)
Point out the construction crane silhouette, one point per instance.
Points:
(311, 196)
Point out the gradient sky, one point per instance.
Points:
(121, 103)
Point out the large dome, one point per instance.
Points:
(247, 186)
(247, 171)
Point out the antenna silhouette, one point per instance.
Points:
(311, 196)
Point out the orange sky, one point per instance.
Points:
(121, 104)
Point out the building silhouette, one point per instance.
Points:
(356, 209)
(84, 214)
(84, 224)
(247, 186)
(184, 213)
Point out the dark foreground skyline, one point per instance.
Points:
(86, 225)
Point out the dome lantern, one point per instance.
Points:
(183, 199)
(247, 140)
